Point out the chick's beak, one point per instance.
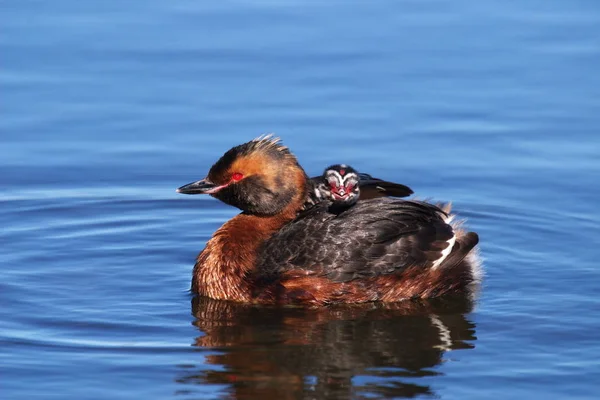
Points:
(203, 186)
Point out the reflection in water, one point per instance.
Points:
(340, 352)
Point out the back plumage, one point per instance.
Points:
(372, 238)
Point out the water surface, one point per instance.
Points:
(108, 106)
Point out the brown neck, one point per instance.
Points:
(222, 269)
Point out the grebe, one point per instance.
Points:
(380, 249)
(344, 186)
(339, 184)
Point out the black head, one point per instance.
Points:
(260, 177)
(341, 184)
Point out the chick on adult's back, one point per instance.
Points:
(343, 186)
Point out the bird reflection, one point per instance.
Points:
(359, 351)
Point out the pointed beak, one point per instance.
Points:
(338, 192)
(203, 186)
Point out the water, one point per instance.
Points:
(108, 106)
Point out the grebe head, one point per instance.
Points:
(340, 184)
(260, 177)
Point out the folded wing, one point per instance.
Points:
(372, 238)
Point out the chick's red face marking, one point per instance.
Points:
(337, 190)
(342, 182)
(333, 183)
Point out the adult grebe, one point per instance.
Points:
(380, 249)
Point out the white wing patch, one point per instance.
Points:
(448, 249)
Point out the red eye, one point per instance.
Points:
(236, 176)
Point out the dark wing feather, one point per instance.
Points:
(371, 188)
(372, 238)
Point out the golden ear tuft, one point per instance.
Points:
(269, 142)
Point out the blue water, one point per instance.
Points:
(109, 106)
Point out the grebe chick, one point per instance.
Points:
(340, 184)
(343, 186)
(380, 249)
